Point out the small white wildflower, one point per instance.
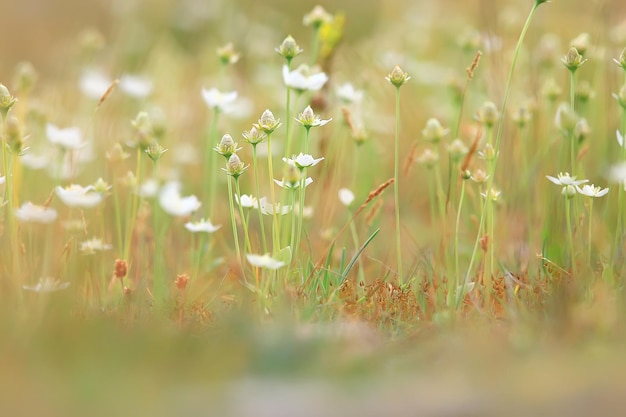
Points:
(47, 285)
(308, 119)
(94, 83)
(302, 161)
(149, 188)
(246, 201)
(617, 173)
(30, 212)
(292, 185)
(35, 162)
(302, 78)
(264, 261)
(68, 138)
(269, 209)
(565, 179)
(348, 94)
(136, 86)
(346, 197)
(592, 191)
(78, 196)
(218, 100)
(91, 246)
(204, 225)
(494, 194)
(175, 205)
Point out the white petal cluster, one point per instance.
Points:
(174, 204)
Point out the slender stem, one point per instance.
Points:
(301, 188)
(457, 270)
(396, 187)
(233, 221)
(275, 229)
(288, 116)
(258, 197)
(133, 211)
(589, 233)
(243, 218)
(570, 235)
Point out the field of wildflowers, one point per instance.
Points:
(403, 208)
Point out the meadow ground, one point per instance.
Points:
(367, 208)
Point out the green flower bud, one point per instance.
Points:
(488, 114)
(13, 135)
(621, 61)
(434, 132)
(155, 151)
(267, 123)
(573, 59)
(621, 97)
(144, 134)
(317, 17)
(566, 118)
(6, 100)
(551, 90)
(254, 136)
(397, 77)
(289, 49)
(25, 77)
(227, 54)
(234, 166)
(226, 147)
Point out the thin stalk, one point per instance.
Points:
(232, 220)
(275, 229)
(258, 197)
(457, 269)
(243, 218)
(396, 191)
(570, 234)
(159, 285)
(302, 188)
(589, 233)
(133, 211)
(210, 163)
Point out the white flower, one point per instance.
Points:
(136, 86)
(347, 93)
(78, 196)
(149, 188)
(291, 186)
(2, 180)
(218, 100)
(620, 138)
(269, 209)
(35, 161)
(617, 173)
(175, 205)
(346, 197)
(592, 190)
(264, 261)
(47, 285)
(30, 212)
(565, 180)
(494, 194)
(247, 201)
(68, 138)
(202, 226)
(91, 246)
(94, 83)
(302, 161)
(301, 79)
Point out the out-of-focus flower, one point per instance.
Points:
(302, 161)
(348, 94)
(302, 78)
(30, 212)
(47, 284)
(68, 138)
(346, 197)
(264, 261)
(91, 246)
(136, 86)
(204, 225)
(78, 196)
(175, 205)
(218, 100)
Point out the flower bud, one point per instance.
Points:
(466, 174)
(234, 166)
(573, 59)
(25, 77)
(434, 132)
(522, 116)
(568, 191)
(292, 176)
(584, 91)
(143, 130)
(13, 135)
(226, 147)
(155, 151)
(397, 77)
(6, 100)
(428, 158)
(457, 150)
(267, 123)
(101, 186)
(488, 114)
(317, 17)
(253, 136)
(581, 130)
(479, 176)
(289, 49)
(551, 90)
(227, 54)
(566, 118)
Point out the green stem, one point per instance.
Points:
(243, 218)
(275, 228)
(457, 270)
(233, 221)
(258, 197)
(133, 211)
(570, 235)
(210, 163)
(589, 234)
(396, 192)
